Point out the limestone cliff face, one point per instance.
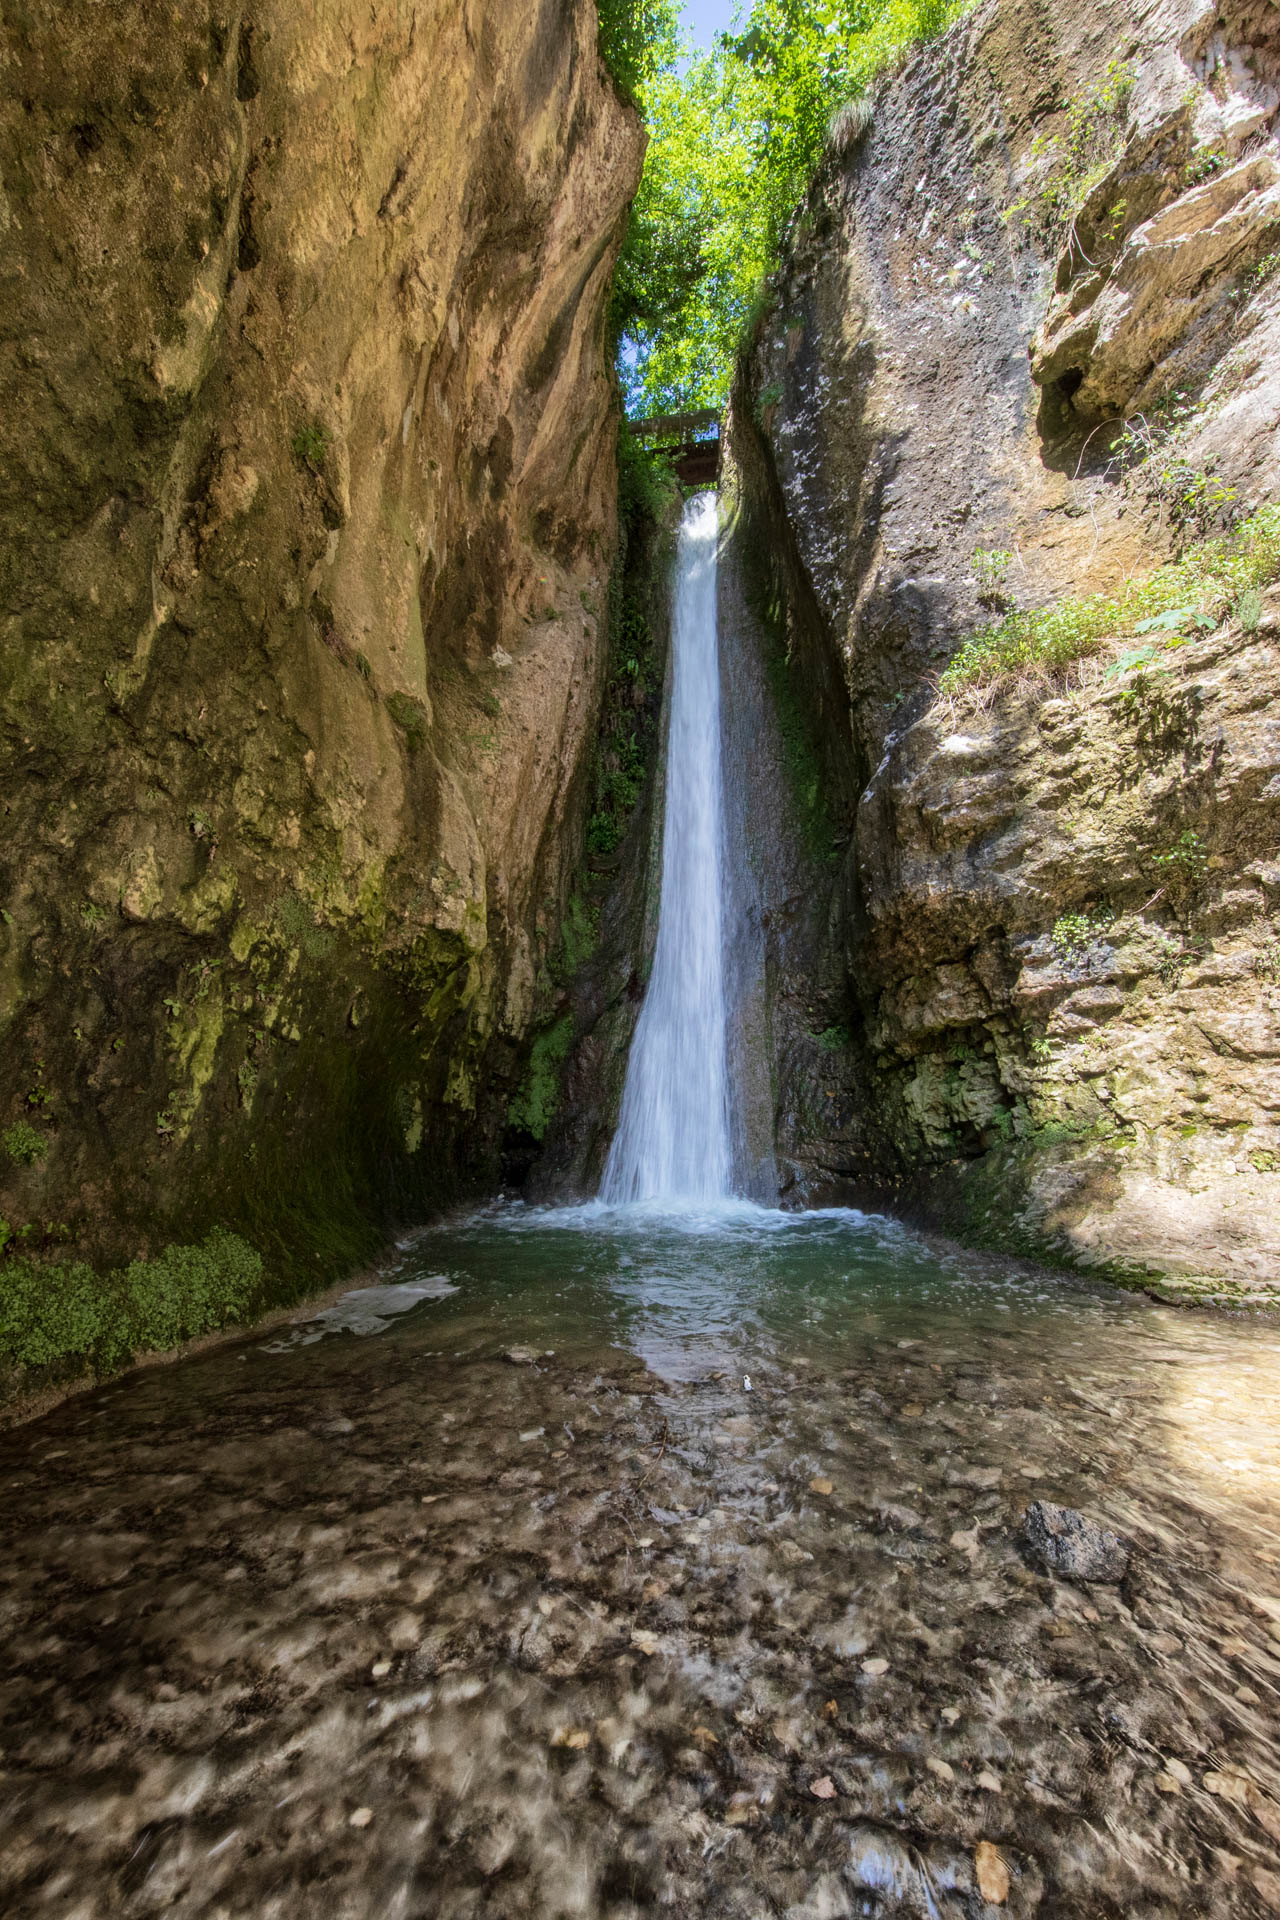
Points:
(307, 456)
(1056, 915)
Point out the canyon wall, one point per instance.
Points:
(307, 451)
(1024, 348)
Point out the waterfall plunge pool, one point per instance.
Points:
(525, 1604)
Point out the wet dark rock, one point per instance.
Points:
(1067, 1543)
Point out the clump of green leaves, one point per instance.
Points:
(1072, 161)
(735, 138)
(311, 444)
(990, 565)
(1075, 933)
(1182, 867)
(1207, 581)
(637, 39)
(23, 1143)
(54, 1311)
(1248, 610)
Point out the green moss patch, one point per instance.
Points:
(534, 1107)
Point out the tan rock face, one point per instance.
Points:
(1064, 1032)
(307, 445)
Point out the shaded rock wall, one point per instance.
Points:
(1060, 219)
(307, 458)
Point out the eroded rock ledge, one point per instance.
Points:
(308, 452)
(1056, 921)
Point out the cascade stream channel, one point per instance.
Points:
(662, 1555)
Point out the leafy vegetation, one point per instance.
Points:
(23, 1143)
(1074, 933)
(638, 40)
(1206, 583)
(1071, 162)
(310, 445)
(736, 135)
(630, 711)
(52, 1311)
(1182, 867)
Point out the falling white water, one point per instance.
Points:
(672, 1142)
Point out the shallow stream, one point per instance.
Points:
(519, 1600)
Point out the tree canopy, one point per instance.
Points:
(735, 135)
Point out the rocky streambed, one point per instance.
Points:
(655, 1571)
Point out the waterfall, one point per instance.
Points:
(672, 1142)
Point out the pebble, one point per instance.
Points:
(1179, 1771)
(940, 1769)
(520, 1356)
(821, 1486)
(951, 1715)
(988, 1782)
(380, 1669)
(875, 1666)
(823, 1789)
(991, 1873)
(362, 1817)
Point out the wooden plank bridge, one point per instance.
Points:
(690, 441)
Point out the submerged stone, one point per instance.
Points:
(1067, 1543)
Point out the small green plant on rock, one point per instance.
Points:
(311, 444)
(1182, 867)
(1255, 277)
(1075, 160)
(23, 1144)
(990, 566)
(1248, 610)
(1203, 164)
(768, 398)
(1175, 956)
(1075, 933)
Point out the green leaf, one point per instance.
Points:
(1166, 622)
(1139, 657)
